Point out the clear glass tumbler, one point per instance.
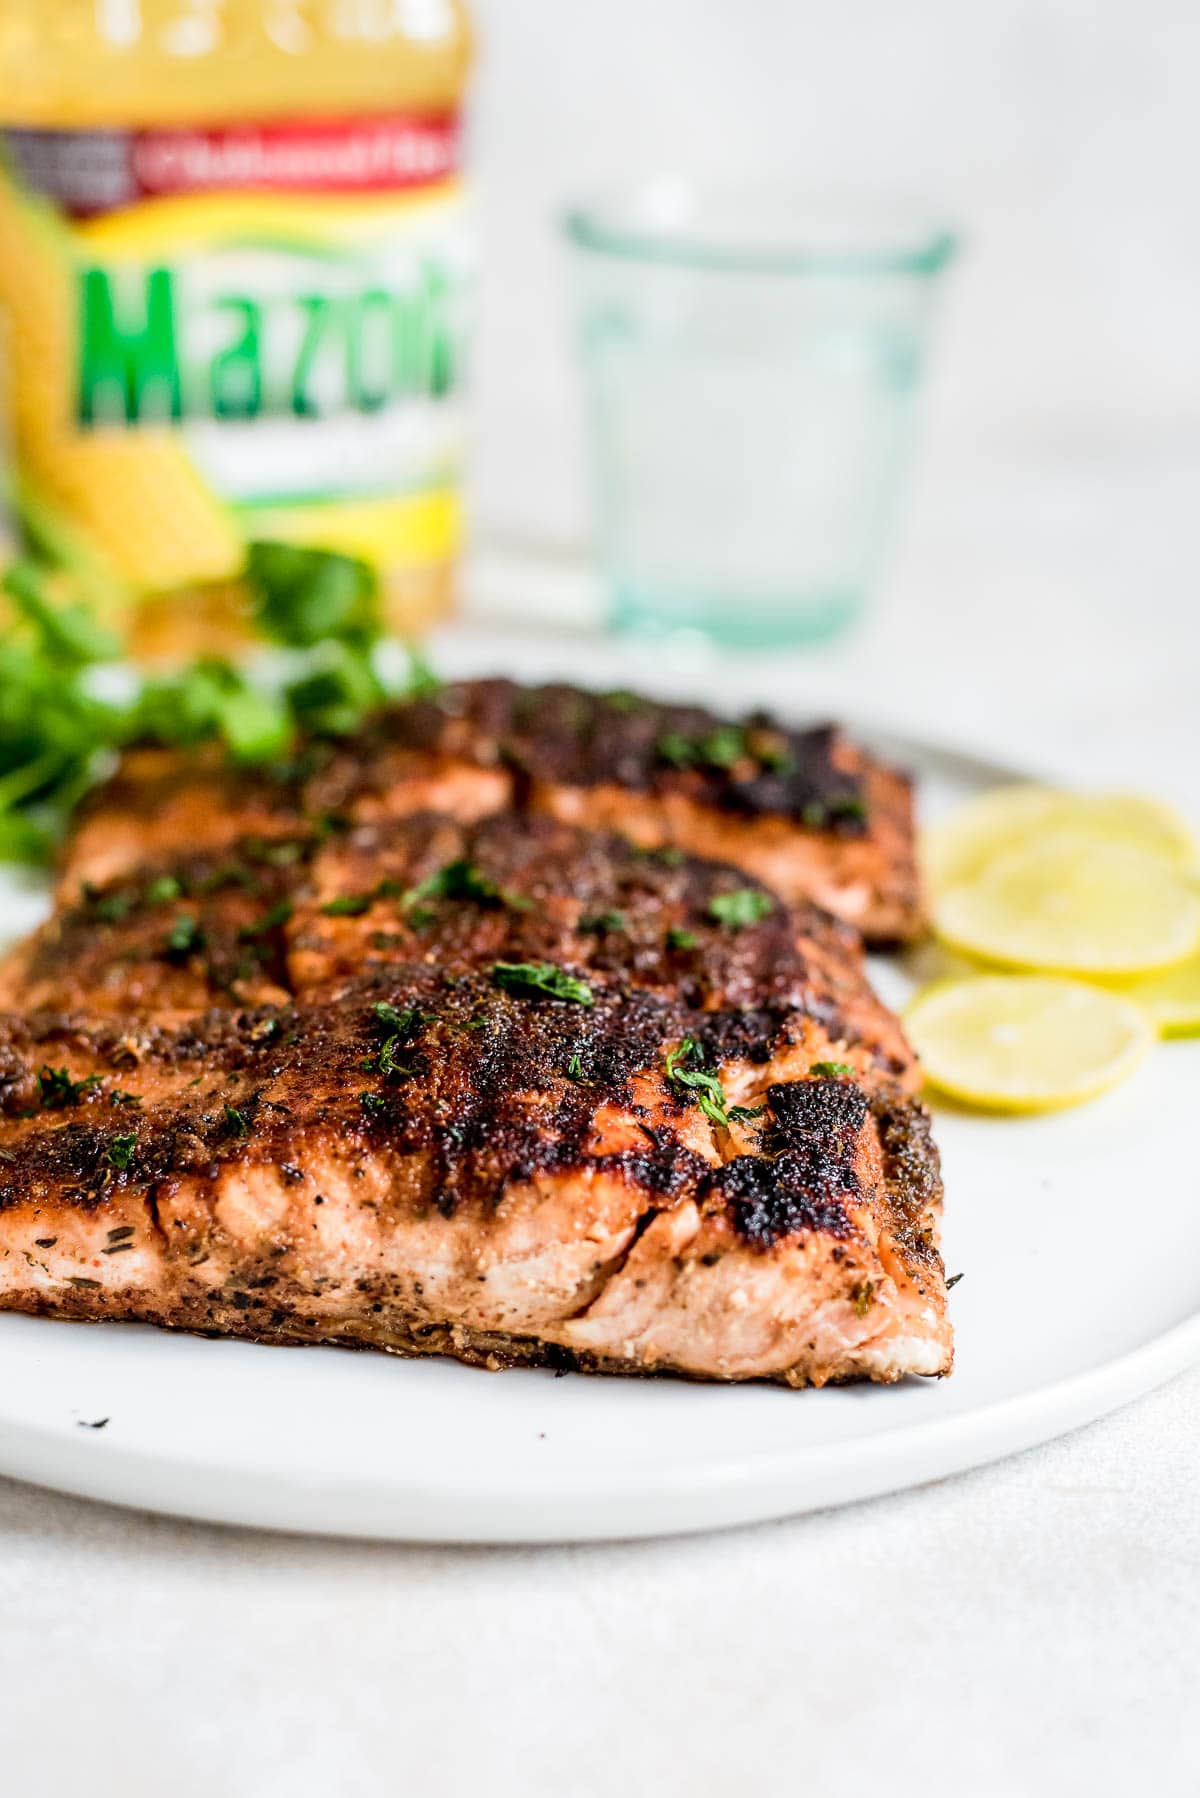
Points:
(752, 363)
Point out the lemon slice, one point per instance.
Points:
(1026, 1042)
(1172, 999)
(961, 846)
(1077, 904)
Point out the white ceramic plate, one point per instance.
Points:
(1078, 1238)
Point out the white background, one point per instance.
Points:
(1062, 136)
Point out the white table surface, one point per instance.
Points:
(1030, 1628)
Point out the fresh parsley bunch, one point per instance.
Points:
(57, 734)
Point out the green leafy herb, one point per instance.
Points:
(236, 1121)
(57, 1090)
(110, 908)
(681, 939)
(533, 978)
(184, 937)
(393, 1017)
(278, 914)
(463, 880)
(163, 890)
(213, 699)
(348, 905)
(575, 1068)
(68, 635)
(710, 1094)
(718, 748)
(120, 1151)
(334, 696)
(723, 746)
(305, 596)
(738, 909)
(372, 1103)
(388, 1063)
(122, 1098)
(677, 749)
(831, 1070)
(604, 923)
(422, 682)
(401, 1024)
(745, 1113)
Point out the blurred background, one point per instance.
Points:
(1039, 582)
(1061, 135)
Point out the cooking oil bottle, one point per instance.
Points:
(234, 288)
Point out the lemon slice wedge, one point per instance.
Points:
(1172, 999)
(961, 846)
(1026, 1042)
(1077, 904)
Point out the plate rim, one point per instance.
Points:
(750, 1487)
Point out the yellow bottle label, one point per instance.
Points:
(224, 334)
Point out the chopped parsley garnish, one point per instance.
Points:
(184, 937)
(236, 1121)
(710, 1094)
(393, 1017)
(831, 1070)
(164, 889)
(110, 908)
(387, 1058)
(278, 914)
(463, 880)
(529, 979)
(372, 1103)
(574, 1069)
(123, 1098)
(678, 938)
(349, 905)
(723, 746)
(718, 748)
(120, 1151)
(738, 909)
(603, 923)
(843, 808)
(744, 1113)
(401, 1025)
(57, 1090)
(677, 749)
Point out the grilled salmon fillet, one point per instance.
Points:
(808, 812)
(262, 919)
(352, 1053)
(446, 1163)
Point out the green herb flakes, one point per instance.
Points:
(57, 1090)
(120, 1151)
(185, 936)
(236, 1120)
(530, 979)
(736, 910)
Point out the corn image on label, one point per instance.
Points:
(217, 335)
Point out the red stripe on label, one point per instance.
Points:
(89, 172)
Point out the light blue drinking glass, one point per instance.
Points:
(752, 363)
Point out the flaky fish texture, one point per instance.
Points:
(362, 1054)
